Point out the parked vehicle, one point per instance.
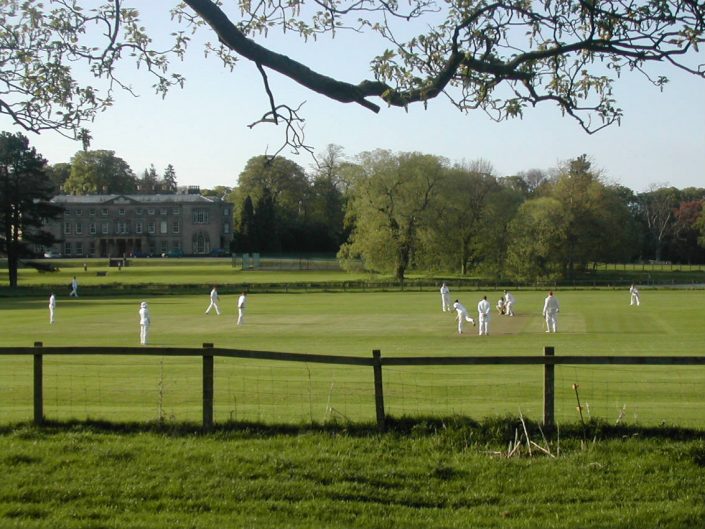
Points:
(51, 254)
(219, 252)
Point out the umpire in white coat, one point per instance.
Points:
(445, 298)
(551, 308)
(483, 312)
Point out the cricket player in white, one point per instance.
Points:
(551, 308)
(500, 306)
(214, 302)
(483, 312)
(445, 298)
(241, 308)
(462, 315)
(145, 321)
(634, 293)
(52, 307)
(74, 287)
(508, 303)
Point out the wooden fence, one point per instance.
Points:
(377, 362)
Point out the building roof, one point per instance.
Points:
(133, 199)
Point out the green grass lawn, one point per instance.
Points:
(399, 324)
(448, 472)
(433, 475)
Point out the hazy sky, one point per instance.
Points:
(202, 129)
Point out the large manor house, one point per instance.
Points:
(185, 223)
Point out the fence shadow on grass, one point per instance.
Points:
(468, 431)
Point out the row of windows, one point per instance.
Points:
(122, 211)
(76, 248)
(198, 213)
(200, 244)
(123, 227)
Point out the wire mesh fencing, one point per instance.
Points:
(296, 389)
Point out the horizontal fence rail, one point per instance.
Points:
(377, 362)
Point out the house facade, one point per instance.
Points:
(138, 225)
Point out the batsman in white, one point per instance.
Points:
(508, 303)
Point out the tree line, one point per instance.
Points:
(392, 212)
(395, 212)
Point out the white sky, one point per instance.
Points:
(202, 129)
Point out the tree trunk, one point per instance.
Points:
(12, 265)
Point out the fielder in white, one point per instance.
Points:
(52, 307)
(462, 315)
(241, 308)
(214, 302)
(145, 321)
(551, 308)
(445, 298)
(500, 306)
(74, 287)
(634, 294)
(508, 303)
(483, 312)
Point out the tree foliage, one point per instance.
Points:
(502, 57)
(25, 190)
(59, 61)
(99, 172)
(392, 200)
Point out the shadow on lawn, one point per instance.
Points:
(489, 430)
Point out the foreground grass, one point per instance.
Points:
(420, 475)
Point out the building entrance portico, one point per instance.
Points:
(120, 246)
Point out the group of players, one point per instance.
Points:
(505, 307)
(145, 317)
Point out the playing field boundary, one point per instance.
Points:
(376, 361)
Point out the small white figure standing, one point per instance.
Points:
(483, 312)
(508, 303)
(634, 293)
(74, 287)
(241, 308)
(551, 308)
(145, 321)
(462, 315)
(445, 298)
(214, 302)
(52, 307)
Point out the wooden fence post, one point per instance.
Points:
(38, 385)
(207, 386)
(379, 391)
(548, 389)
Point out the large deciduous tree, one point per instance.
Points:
(456, 233)
(537, 237)
(501, 57)
(392, 200)
(99, 172)
(596, 217)
(25, 190)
